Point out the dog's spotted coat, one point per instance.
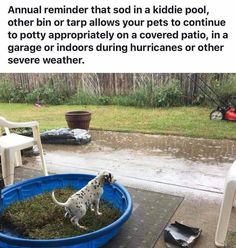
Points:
(89, 196)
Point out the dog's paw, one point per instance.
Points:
(82, 227)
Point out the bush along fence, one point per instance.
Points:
(129, 89)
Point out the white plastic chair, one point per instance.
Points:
(226, 207)
(11, 144)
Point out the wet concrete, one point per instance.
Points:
(150, 161)
(197, 150)
(193, 168)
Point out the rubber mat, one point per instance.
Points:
(151, 213)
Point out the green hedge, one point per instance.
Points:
(149, 95)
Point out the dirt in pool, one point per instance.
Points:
(40, 218)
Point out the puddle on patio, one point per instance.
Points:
(197, 150)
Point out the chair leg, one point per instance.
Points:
(44, 166)
(18, 159)
(8, 166)
(225, 212)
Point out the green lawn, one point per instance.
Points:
(185, 121)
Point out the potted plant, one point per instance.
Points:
(78, 119)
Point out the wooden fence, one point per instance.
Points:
(110, 83)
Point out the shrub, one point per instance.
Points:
(225, 89)
(140, 97)
(143, 96)
(12, 93)
(58, 92)
(6, 91)
(104, 100)
(20, 93)
(166, 95)
(169, 94)
(89, 98)
(83, 98)
(48, 94)
(121, 100)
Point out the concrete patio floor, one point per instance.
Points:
(192, 168)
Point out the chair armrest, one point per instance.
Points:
(10, 124)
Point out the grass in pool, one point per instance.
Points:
(40, 218)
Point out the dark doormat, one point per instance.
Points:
(151, 213)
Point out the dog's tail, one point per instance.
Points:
(62, 204)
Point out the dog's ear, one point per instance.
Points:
(108, 178)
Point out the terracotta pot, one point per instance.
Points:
(78, 119)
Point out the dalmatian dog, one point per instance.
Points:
(89, 196)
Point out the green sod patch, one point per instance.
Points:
(41, 218)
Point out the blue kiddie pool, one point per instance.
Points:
(115, 194)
